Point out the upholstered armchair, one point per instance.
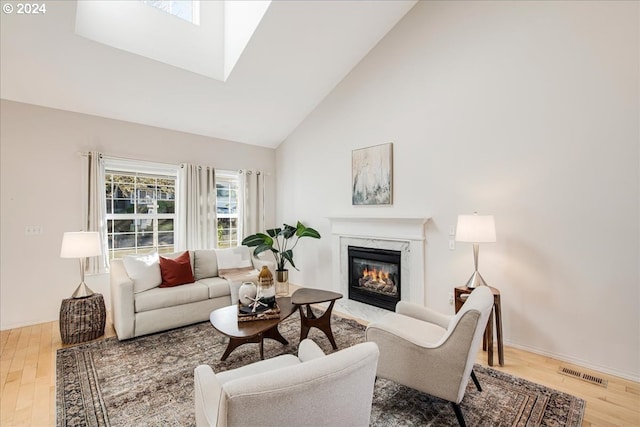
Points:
(312, 389)
(431, 352)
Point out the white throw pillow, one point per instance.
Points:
(144, 270)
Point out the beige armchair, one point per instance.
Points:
(308, 390)
(431, 352)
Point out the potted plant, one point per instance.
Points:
(281, 242)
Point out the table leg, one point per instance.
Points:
(489, 335)
(499, 333)
(272, 333)
(237, 342)
(323, 323)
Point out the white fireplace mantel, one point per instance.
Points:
(403, 228)
(405, 234)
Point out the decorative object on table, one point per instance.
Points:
(247, 293)
(476, 229)
(82, 319)
(261, 312)
(277, 240)
(372, 175)
(266, 289)
(262, 305)
(81, 245)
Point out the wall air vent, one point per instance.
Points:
(582, 376)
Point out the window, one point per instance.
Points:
(227, 208)
(187, 10)
(141, 208)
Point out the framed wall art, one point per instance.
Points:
(372, 175)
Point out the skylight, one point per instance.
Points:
(211, 47)
(188, 10)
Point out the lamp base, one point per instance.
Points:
(476, 280)
(82, 291)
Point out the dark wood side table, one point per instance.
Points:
(460, 296)
(82, 319)
(308, 296)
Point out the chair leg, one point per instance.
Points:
(475, 380)
(458, 411)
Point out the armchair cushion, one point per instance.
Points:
(418, 332)
(423, 313)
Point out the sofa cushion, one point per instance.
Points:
(205, 264)
(144, 271)
(177, 271)
(218, 287)
(156, 298)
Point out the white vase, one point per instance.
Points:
(247, 292)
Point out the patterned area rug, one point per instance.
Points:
(148, 381)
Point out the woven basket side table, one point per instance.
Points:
(82, 319)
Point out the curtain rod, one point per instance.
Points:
(247, 171)
(106, 156)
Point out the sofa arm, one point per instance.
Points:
(122, 304)
(309, 350)
(208, 397)
(423, 313)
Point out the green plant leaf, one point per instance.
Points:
(288, 231)
(262, 248)
(307, 232)
(288, 255)
(273, 232)
(257, 239)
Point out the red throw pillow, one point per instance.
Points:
(176, 271)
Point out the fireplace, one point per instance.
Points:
(374, 276)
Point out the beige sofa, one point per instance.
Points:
(140, 307)
(308, 390)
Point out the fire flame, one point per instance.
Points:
(375, 275)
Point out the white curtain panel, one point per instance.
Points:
(252, 213)
(95, 209)
(196, 200)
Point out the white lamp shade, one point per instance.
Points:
(80, 244)
(476, 229)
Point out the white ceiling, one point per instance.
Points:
(297, 55)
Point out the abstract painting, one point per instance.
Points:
(372, 174)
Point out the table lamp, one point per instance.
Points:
(81, 245)
(476, 229)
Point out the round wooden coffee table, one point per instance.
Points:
(225, 321)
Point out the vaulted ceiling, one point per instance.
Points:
(299, 52)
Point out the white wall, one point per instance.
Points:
(40, 185)
(525, 110)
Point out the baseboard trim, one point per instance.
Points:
(631, 376)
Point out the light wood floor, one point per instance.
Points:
(28, 376)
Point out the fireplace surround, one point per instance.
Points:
(403, 234)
